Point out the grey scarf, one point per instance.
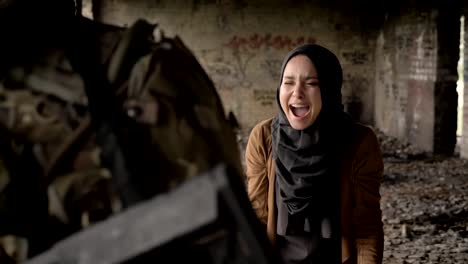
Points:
(307, 161)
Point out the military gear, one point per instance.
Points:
(100, 121)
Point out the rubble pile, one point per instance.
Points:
(394, 149)
(425, 207)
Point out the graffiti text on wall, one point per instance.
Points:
(356, 57)
(417, 45)
(273, 66)
(267, 41)
(265, 97)
(423, 66)
(245, 48)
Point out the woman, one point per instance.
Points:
(314, 175)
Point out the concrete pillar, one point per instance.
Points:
(406, 63)
(416, 57)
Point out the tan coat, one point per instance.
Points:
(361, 176)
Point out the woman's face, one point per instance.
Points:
(299, 93)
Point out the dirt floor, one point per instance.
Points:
(425, 206)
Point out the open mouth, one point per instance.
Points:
(299, 110)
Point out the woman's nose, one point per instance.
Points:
(298, 90)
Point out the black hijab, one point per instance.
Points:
(307, 161)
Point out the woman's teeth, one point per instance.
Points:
(299, 110)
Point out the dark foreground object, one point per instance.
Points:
(206, 219)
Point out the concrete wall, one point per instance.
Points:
(406, 59)
(241, 45)
(399, 60)
(416, 57)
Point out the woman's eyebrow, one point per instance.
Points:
(308, 77)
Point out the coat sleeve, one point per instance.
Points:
(256, 173)
(367, 215)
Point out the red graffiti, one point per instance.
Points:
(256, 42)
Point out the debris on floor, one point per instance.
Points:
(425, 206)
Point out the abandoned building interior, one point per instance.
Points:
(402, 59)
(405, 66)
